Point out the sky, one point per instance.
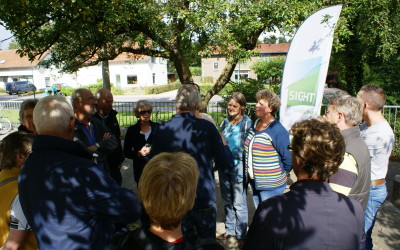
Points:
(4, 34)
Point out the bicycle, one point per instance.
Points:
(5, 124)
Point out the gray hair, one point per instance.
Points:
(27, 104)
(187, 98)
(141, 104)
(52, 113)
(273, 99)
(350, 107)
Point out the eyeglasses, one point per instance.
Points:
(145, 111)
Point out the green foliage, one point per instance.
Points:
(248, 88)
(196, 71)
(161, 89)
(84, 32)
(67, 91)
(207, 80)
(271, 70)
(2, 90)
(13, 45)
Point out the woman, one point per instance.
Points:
(267, 157)
(15, 233)
(138, 138)
(26, 116)
(311, 215)
(235, 128)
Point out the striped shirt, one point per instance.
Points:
(267, 157)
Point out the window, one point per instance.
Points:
(215, 66)
(154, 78)
(153, 60)
(47, 81)
(241, 75)
(132, 79)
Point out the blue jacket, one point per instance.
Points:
(310, 216)
(244, 129)
(68, 201)
(199, 138)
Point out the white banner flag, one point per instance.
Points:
(306, 67)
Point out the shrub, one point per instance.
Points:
(161, 89)
(196, 71)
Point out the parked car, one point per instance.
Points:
(19, 87)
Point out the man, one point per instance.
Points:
(89, 131)
(353, 177)
(311, 215)
(108, 117)
(379, 137)
(25, 116)
(68, 201)
(199, 138)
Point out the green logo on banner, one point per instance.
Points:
(304, 91)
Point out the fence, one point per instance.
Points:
(163, 111)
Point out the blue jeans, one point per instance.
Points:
(261, 195)
(235, 206)
(200, 223)
(376, 198)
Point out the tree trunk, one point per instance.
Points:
(106, 75)
(182, 68)
(223, 79)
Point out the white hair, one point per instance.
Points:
(52, 113)
(187, 98)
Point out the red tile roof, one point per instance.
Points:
(273, 48)
(262, 48)
(10, 59)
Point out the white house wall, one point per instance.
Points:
(144, 70)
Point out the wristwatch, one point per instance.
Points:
(97, 145)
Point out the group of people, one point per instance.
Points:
(64, 183)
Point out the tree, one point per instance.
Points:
(78, 31)
(271, 70)
(367, 34)
(272, 39)
(13, 45)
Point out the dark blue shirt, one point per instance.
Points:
(68, 201)
(199, 138)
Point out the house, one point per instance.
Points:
(212, 66)
(125, 71)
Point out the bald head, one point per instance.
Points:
(104, 101)
(83, 102)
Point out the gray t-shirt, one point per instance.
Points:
(380, 140)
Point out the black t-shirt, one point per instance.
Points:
(144, 239)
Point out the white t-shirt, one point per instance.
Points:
(380, 141)
(18, 219)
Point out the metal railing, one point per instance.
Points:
(163, 111)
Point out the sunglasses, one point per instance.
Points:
(144, 112)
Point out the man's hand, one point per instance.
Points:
(106, 136)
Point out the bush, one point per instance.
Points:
(116, 91)
(2, 90)
(161, 89)
(196, 71)
(207, 80)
